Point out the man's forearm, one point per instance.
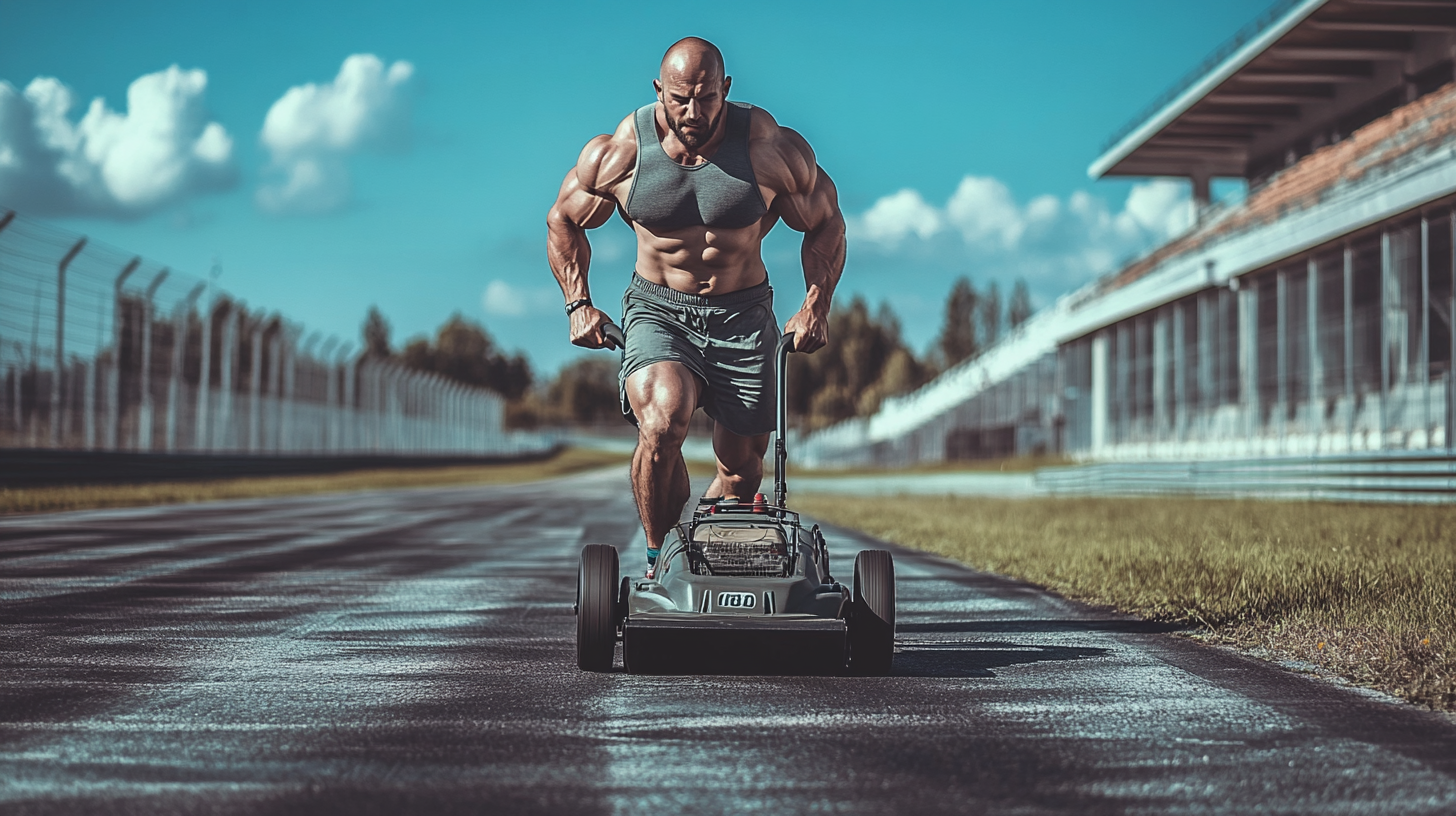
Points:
(823, 259)
(569, 253)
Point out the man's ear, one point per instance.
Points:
(657, 89)
(727, 83)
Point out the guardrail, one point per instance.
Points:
(1391, 477)
(36, 468)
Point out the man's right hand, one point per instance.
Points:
(586, 327)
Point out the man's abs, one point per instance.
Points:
(703, 260)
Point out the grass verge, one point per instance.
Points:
(1367, 592)
(83, 497)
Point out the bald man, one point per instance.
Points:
(701, 180)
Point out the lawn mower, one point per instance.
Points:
(740, 586)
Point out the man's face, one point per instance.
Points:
(694, 104)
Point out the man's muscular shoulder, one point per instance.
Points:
(782, 159)
(608, 159)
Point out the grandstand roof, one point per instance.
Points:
(1306, 74)
(1422, 129)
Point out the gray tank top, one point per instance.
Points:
(721, 192)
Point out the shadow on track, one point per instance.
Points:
(977, 659)
(912, 659)
(1126, 626)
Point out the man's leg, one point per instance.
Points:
(740, 463)
(663, 396)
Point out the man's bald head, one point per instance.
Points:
(692, 88)
(692, 57)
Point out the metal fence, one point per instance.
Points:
(103, 350)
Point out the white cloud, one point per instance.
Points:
(982, 210)
(501, 299)
(1160, 207)
(162, 150)
(312, 129)
(1054, 243)
(896, 216)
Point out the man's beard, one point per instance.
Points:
(693, 141)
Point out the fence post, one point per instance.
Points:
(201, 425)
(58, 412)
(179, 359)
(88, 406)
(221, 428)
(144, 427)
(255, 388)
(310, 364)
(19, 371)
(346, 396)
(323, 363)
(290, 382)
(275, 377)
(113, 386)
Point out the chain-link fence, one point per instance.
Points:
(104, 350)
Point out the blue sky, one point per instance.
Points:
(958, 134)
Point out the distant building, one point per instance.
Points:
(1313, 317)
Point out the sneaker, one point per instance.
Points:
(651, 572)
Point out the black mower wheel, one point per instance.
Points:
(872, 617)
(596, 608)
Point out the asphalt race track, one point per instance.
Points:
(413, 652)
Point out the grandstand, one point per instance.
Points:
(1312, 318)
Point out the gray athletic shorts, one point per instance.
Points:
(726, 340)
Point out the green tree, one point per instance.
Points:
(464, 352)
(376, 335)
(585, 392)
(958, 339)
(865, 361)
(1018, 311)
(991, 315)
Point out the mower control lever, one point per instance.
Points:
(781, 424)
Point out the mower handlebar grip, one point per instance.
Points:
(786, 345)
(615, 338)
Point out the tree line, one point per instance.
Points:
(866, 361)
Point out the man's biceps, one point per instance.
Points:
(581, 208)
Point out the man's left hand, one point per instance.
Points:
(811, 330)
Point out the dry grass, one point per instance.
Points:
(81, 497)
(1368, 592)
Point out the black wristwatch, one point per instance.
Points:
(577, 304)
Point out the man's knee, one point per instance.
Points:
(662, 428)
(663, 402)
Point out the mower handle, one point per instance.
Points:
(781, 418)
(615, 338)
